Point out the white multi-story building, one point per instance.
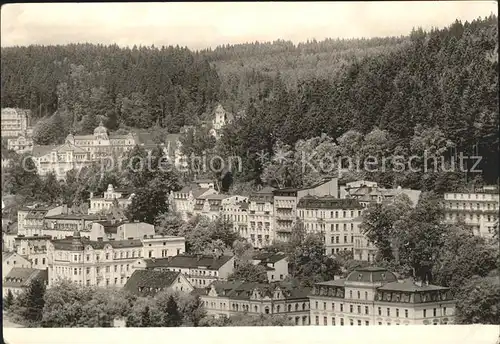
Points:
(31, 219)
(285, 205)
(15, 122)
(479, 210)
(339, 221)
(237, 213)
(102, 262)
(260, 228)
(122, 198)
(374, 296)
(212, 205)
(183, 201)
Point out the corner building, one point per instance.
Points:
(374, 296)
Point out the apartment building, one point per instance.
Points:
(183, 201)
(200, 270)
(118, 197)
(31, 219)
(479, 210)
(225, 299)
(338, 220)
(260, 229)
(276, 265)
(102, 262)
(374, 296)
(286, 200)
(34, 249)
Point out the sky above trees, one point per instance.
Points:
(199, 25)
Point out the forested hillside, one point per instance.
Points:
(136, 87)
(444, 81)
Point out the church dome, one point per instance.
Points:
(100, 130)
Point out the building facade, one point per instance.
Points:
(12, 260)
(183, 201)
(478, 210)
(15, 122)
(276, 265)
(221, 118)
(225, 299)
(285, 205)
(200, 270)
(151, 282)
(337, 219)
(374, 296)
(111, 197)
(260, 229)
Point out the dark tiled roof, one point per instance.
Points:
(22, 277)
(269, 257)
(198, 192)
(328, 202)
(243, 290)
(335, 283)
(149, 282)
(39, 151)
(66, 244)
(188, 261)
(410, 286)
(371, 275)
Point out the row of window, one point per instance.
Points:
(367, 310)
(333, 214)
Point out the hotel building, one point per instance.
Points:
(211, 205)
(479, 210)
(225, 299)
(15, 122)
(374, 296)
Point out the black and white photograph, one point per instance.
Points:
(254, 164)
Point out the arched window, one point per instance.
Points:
(256, 309)
(289, 308)
(266, 310)
(359, 294)
(296, 307)
(277, 308)
(303, 306)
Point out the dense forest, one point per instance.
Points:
(444, 81)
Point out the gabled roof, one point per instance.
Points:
(240, 290)
(149, 282)
(189, 261)
(215, 197)
(69, 147)
(7, 255)
(22, 277)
